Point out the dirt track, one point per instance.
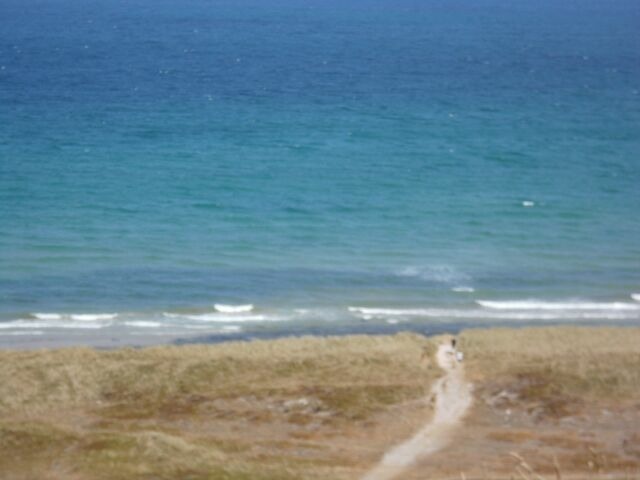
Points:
(452, 400)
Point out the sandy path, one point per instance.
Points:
(453, 397)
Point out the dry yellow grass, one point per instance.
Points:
(586, 363)
(33, 381)
(175, 412)
(304, 408)
(556, 402)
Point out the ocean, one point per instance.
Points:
(206, 170)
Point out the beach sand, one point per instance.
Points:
(553, 402)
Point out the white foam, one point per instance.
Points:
(435, 273)
(231, 329)
(22, 324)
(26, 324)
(83, 326)
(217, 317)
(636, 296)
(233, 308)
(208, 328)
(541, 305)
(227, 318)
(24, 332)
(143, 324)
(490, 314)
(47, 316)
(374, 312)
(89, 317)
(153, 334)
(463, 289)
(528, 203)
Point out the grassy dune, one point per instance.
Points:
(552, 403)
(316, 407)
(590, 363)
(232, 411)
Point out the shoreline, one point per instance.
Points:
(105, 340)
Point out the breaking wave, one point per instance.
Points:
(81, 317)
(222, 308)
(217, 317)
(541, 305)
(489, 314)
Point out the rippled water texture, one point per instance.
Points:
(304, 157)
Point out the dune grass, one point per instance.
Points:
(556, 397)
(303, 408)
(596, 363)
(188, 412)
(166, 377)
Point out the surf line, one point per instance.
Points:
(452, 400)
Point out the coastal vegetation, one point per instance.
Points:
(589, 363)
(327, 408)
(264, 409)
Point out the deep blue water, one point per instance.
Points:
(160, 157)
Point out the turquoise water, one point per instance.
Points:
(413, 159)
